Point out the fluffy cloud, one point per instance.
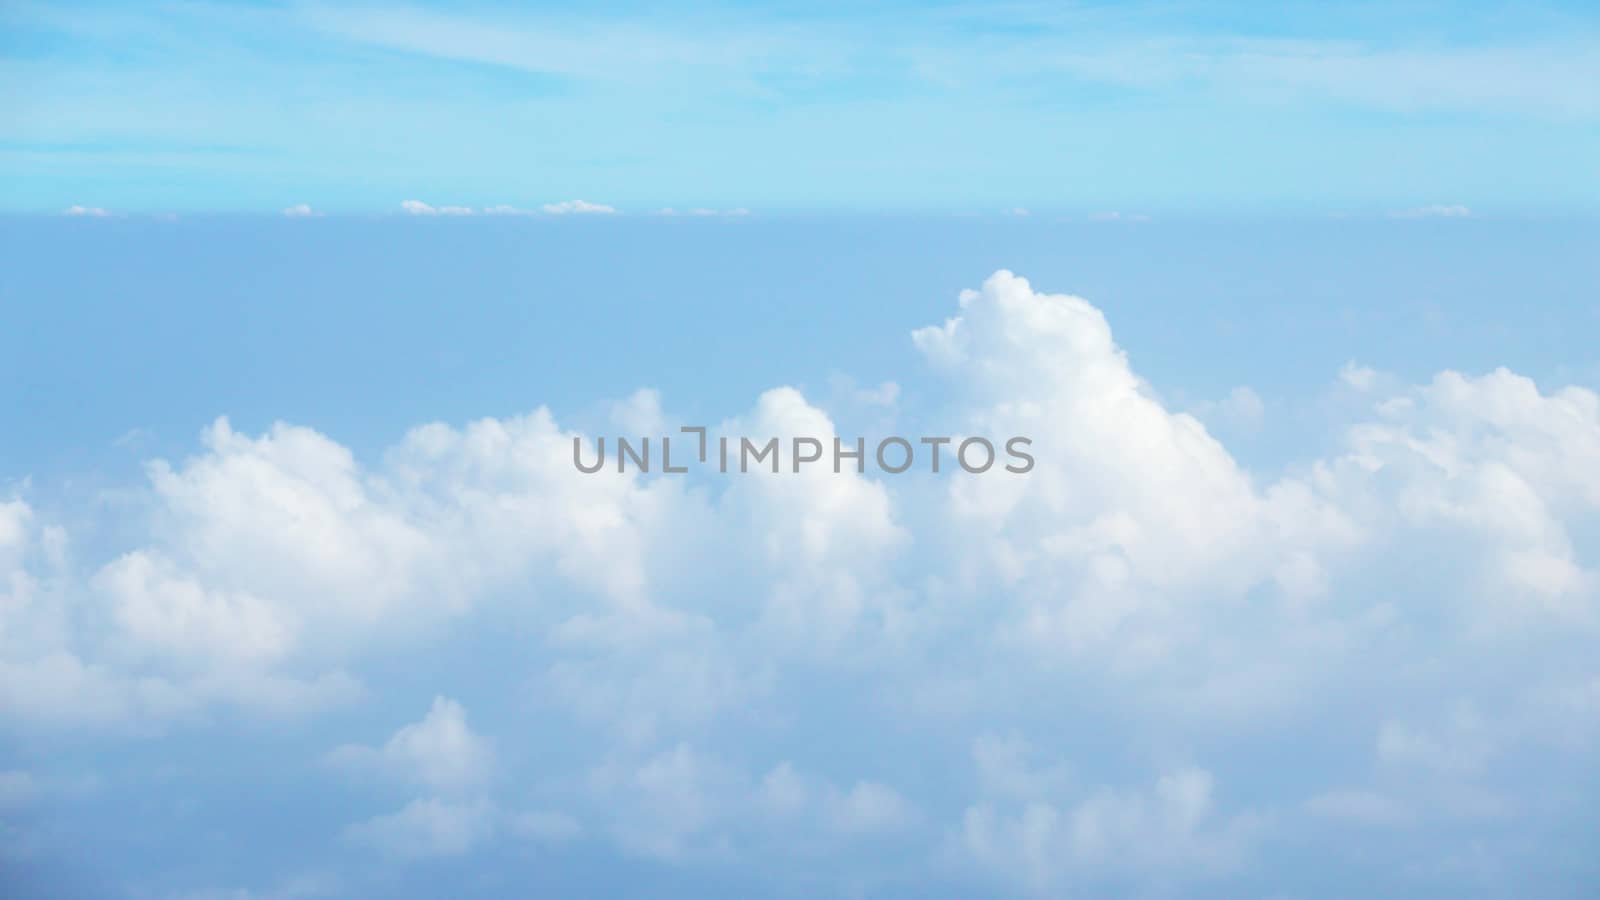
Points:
(1035, 827)
(684, 804)
(427, 827)
(439, 753)
(683, 641)
(824, 537)
(1131, 510)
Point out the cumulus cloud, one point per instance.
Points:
(1131, 507)
(300, 211)
(825, 536)
(439, 753)
(1140, 577)
(684, 804)
(427, 828)
(1494, 460)
(1051, 832)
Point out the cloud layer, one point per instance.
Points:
(1062, 681)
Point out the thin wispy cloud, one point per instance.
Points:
(577, 207)
(1435, 211)
(1283, 108)
(701, 212)
(418, 208)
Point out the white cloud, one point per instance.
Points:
(1463, 745)
(1539, 74)
(868, 808)
(577, 207)
(682, 804)
(439, 753)
(702, 212)
(159, 609)
(1140, 564)
(300, 211)
(90, 211)
(1359, 378)
(1493, 460)
(267, 558)
(1241, 411)
(826, 537)
(1128, 507)
(418, 208)
(1052, 833)
(673, 806)
(1435, 211)
(1243, 407)
(1114, 216)
(427, 828)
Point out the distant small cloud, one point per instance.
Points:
(134, 438)
(418, 208)
(1360, 378)
(502, 209)
(701, 211)
(1243, 407)
(577, 207)
(1114, 216)
(300, 211)
(1436, 211)
(1241, 410)
(1018, 211)
(885, 394)
(93, 211)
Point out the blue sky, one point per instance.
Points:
(1071, 109)
(302, 306)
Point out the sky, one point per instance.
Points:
(1074, 109)
(303, 307)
